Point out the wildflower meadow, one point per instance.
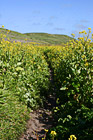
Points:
(25, 84)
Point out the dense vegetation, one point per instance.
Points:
(24, 77)
(24, 82)
(73, 73)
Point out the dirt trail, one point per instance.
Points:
(42, 118)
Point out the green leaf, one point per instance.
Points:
(19, 69)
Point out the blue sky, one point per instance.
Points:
(49, 16)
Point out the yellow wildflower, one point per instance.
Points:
(72, 137)
(83, 31)
(86, 64)
(89, 40)
(86, 38)
(53, 133)
(2, 26)
(73, 35)
(89, 28)
(46, 130)
(4, 36)
(83, 56)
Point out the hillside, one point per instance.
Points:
(43, 38)
(14, 35)
(49, 38)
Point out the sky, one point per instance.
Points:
(47, 16)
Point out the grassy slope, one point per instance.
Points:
(49, 38)
(37, 37)
(13, 34)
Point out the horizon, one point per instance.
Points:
(31, 32)
(53, 17)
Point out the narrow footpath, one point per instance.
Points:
(42, 118)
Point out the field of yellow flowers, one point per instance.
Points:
(24, 78)
(24, 82)
(73, 74)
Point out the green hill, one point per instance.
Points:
(49, 38)
(43, 38)
(14, 35)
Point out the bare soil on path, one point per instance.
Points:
(41, 119)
